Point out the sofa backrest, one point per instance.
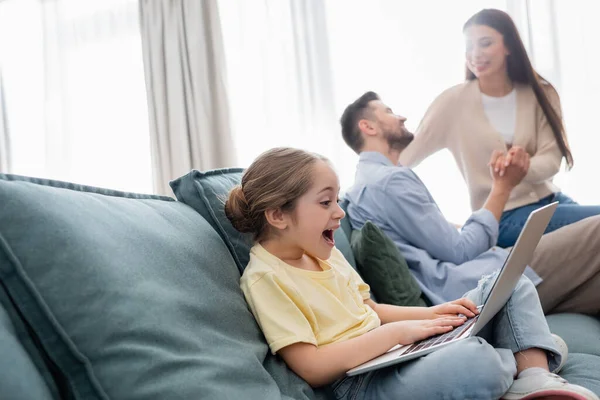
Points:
(20, 377)
(132, 296)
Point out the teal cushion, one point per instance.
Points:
(342, 243)
(383, 267)
(345, 224)
(132, 296)
(29, 343)
(584, 370)
(207, 192)
(19, 378)
(582, 335)
(580, 332)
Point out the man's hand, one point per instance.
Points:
(462, 306)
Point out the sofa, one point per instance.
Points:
(113, 295)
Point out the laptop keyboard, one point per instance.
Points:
(442, 338)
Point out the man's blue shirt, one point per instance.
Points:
(445, 261)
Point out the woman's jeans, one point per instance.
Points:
(480, 367)
(567, 212)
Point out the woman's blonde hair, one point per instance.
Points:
(275, 180)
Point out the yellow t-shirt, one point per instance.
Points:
(293, 305)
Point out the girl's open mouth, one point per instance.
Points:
(328, 235)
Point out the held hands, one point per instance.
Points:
(509, 168)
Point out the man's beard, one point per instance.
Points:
(399, 141)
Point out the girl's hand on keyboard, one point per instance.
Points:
(411, 331)
(460, 307)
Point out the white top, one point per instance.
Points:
(502, 113)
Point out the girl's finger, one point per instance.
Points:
(468, 303)
(459, 309)
(437, 330)
(454, 321)
(465, 311)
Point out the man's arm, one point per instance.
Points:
(413, 215)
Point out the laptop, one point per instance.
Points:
(520, 256)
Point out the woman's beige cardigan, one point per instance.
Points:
(456, 121)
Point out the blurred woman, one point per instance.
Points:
(502, 105)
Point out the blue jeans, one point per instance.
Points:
(567, 212)
(480, 367)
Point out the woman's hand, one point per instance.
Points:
(462, 306)
(508, 169)
(413, 330)
(517, 156)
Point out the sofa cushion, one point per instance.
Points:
(383, 267)
(582, 335)
(53, 380)
(132, 296)
(207, 192)
(345, 223)
(580, 332)
(19, 378)
(583, 369)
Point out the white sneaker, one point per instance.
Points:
(546, 384)
(563, 349)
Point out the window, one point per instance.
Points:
(75, 91)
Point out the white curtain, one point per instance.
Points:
(562, 40)
(280, 78)
(4, 138)
(185, 78)
(293, 66)
(74, 91)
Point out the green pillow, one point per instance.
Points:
(206, 193)
(383, 267)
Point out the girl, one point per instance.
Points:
(503, 105)
(316, 313)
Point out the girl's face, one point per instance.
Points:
(317, 214)
(485, 51)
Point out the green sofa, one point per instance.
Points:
(112, 295)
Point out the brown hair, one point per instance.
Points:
(520, 70)
(275, 180)
(351, 117)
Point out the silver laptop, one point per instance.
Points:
(520, 255)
